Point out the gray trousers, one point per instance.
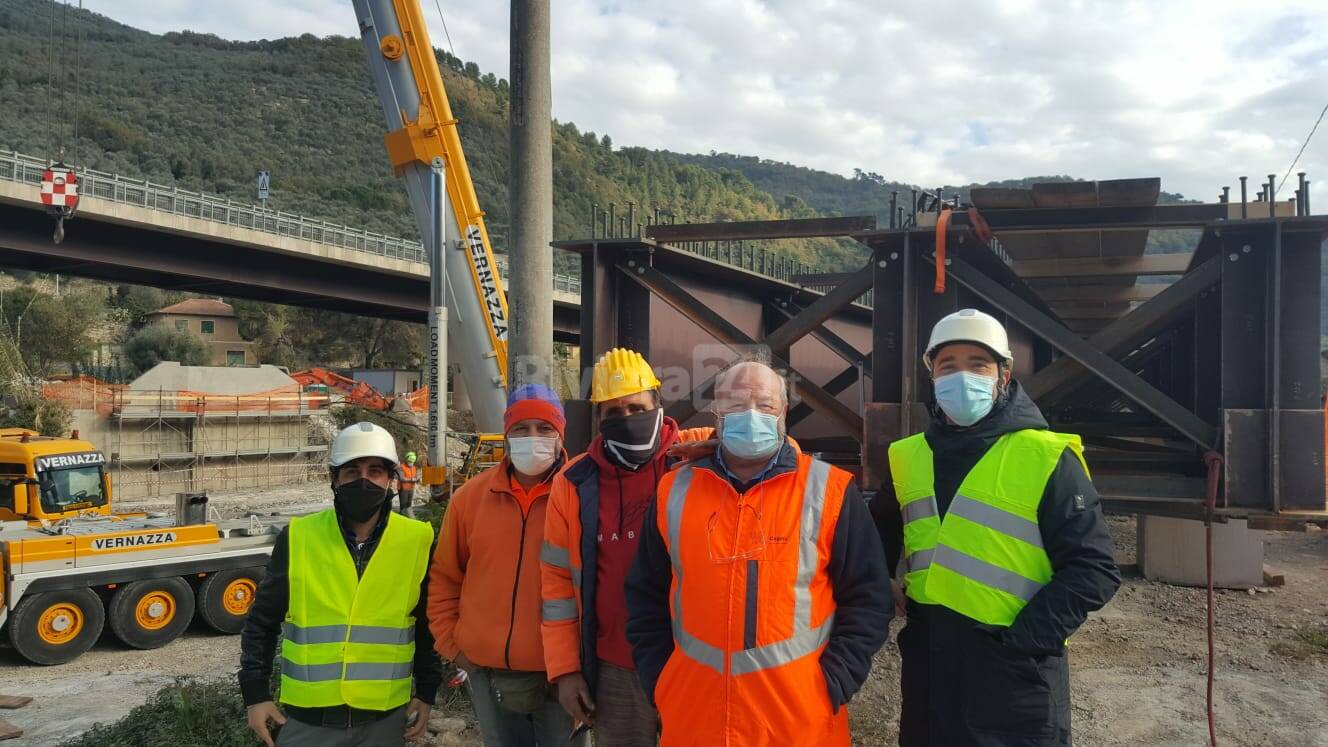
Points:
(547, 727)
(387, 731)
(623, 714)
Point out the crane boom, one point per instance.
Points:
(420, 128)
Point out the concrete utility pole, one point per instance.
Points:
(530, 197)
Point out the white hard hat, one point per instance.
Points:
(361, 440)
(973, 326)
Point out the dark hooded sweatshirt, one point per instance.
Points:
(624, 497)
(968, 683)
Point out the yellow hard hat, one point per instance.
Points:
(618, 373)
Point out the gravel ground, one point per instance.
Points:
(1138, 666)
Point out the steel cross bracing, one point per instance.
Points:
(1225, 357)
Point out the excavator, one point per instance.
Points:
(70, 565)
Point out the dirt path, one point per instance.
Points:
(107, 682)
(1138, 666)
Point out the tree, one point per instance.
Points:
(50, 331)
(137, 301)
(330, 338)
(270, 327)
(158, 342)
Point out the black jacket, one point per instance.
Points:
(262, 629)
(1001, 686)
(864, 605)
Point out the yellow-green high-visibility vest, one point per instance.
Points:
(350, 640)
(985, 558)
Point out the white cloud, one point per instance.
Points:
(948, 92)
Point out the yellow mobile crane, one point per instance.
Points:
(468, 314)
(71, 565)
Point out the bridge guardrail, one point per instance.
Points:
(25, 169)
(17, 167)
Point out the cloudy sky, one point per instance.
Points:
(1195, 91)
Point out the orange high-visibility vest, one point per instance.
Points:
(752, 607)
(409, 473)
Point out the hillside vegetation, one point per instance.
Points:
(206, 114)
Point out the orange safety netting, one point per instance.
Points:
(87, 393)
(83, 393)
(418, 399)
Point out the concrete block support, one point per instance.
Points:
(1172, 551)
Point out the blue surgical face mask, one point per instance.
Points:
(965, 397)
(750, 434)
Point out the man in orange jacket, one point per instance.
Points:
(596, 509)
(760, 592)
(484, 609)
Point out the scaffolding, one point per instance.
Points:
(164, 442)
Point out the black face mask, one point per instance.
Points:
(632, 440)
(358, 500)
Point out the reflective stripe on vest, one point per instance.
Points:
(805, 638)
(557, 610)
(347, 633)
(560, 557)
(984, 558)
(350, 639)
(693, 648)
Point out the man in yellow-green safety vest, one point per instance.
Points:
(1004, 551)
(345, 591)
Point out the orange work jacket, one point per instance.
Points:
(752, 607)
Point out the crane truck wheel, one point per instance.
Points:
(56, 626)
(224, 598)
(151, 613)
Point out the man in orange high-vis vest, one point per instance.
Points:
(410, 474)
(759, 592)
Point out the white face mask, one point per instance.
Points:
(532, 455)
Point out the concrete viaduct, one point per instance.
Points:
(133, 231)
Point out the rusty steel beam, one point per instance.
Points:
(821, 278)
(839, 383)
(1114, 339)
(1148, 264)
(1099, 293)
(799, 228)
(664, 288)
(1113, 373)
(812, 317)
(838, 345)
(1089, 314)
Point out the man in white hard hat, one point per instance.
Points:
(346, 590)
(1005, 551)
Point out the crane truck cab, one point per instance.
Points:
(70, 565)
(45, 478)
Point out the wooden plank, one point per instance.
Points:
(1149, 264)
(14, 701)
(9, 731)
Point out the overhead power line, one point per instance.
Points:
(1303, 145)
(446, 33)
